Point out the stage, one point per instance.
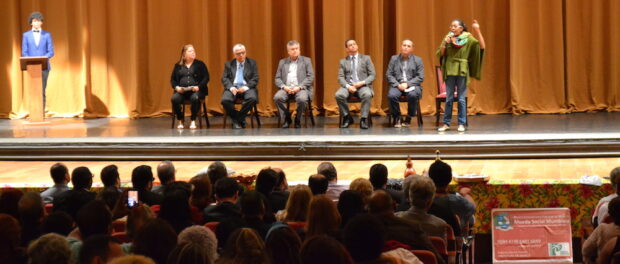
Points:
(578, 135)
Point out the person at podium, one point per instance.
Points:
(189, 80)
(37, 42)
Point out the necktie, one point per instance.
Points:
(239, 76)
(354, 69)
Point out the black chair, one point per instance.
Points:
(353, 99)
(253, 113)
(307, 114)
(403, 99)
(202, 112)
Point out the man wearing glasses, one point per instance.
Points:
(239, 79)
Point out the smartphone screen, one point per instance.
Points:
(132, 198)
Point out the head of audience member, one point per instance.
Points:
(363, 186)
(378, 176)
(406, 184)
(94, 218)
(31, 209)
(188, 253)
(266, 181)
(217, 170)
(136, 218)
(225, 229)
(351, 46)
(49, 249)
(166, 172)
(109, 196)
(298, 204)
(175, 207)
(350, 204)
(132, 259)
(283, 244)
(406, 47)
(318, 184)
(364, 238)
(253, 205)
(201, 236)
(100, 249)
(614, 210)
(155, 239)
(58, 222)
(142, 178)
(614, 178)
(188, 54)
(10, 233)
(81, 178)
(325, 250)
(421, 192)
(245, 246)
(328, 170)
(441, 174)
(281, 182)
(9, 197)
(110, 176)
(239, 52)
(293, 49)
(323, 217)
(380, 203)
(226, 190)
(60, 173)
(201, 191)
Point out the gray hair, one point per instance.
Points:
(49, 248)
(421, 190)
(292, 43)
(238, 47)
(201, 236)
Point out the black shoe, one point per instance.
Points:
(297, 123)
(347, 121)
(242, 122)
(287, 122)
(364, 123)
(236, 125)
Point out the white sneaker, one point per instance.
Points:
(192, 125)
(180, 126)
(461, 128)
(397, 124)
(443, 128)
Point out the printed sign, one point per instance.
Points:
(536, 235)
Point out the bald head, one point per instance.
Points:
(165, 172)
(380, 202)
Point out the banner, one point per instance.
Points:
(536, 235)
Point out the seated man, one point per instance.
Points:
(601, 208)
(294, 77)
(318, 184)
(421, 193)
(240, 78)
(226, 195)
(142, 180)
(405, 75)
(72, 200)
(355, 75)
(328, 170)
(460, 204)
(60, 175)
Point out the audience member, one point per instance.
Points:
(364, 238)
(324, 250)
(166, 174)
(175, 208)
(132, 259)
(281, 183)
(31, 212)
(137, 217)
(244, 246)
(266, 182)
(378, 176)
(142, 181)
(600, 210)
(421, 194)
(200, 198)
(10, 252)
(99, 249)
(203, 237)
(226, 195)
(9, 197)
(602, 234)
(155, 239)
(296, 209)
(72, 200)
(254, 213)
(460, 204)
(350, 204)
(328, 170)
(283, 244)
(49, 249)
(318, 184)
(323, 218)
(363, 187)
(111, 191)
(188, 253)
(58, 222)
(60, 176)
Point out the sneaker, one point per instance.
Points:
(461, 128)
(397, 124)
(180, 126)
(443, 128)
(406, 122)
(192, 125)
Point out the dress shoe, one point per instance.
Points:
(287, 122)
(297, 123)
(347, 121)
(364, 123)
(397, 122)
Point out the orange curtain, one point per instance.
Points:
(114, 57)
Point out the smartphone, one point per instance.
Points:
(132, 198)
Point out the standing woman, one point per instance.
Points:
(189, 80)
(460, 56)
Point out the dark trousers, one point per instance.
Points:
(46, 73)
(177, 103)
(413, 98)
(250, 98)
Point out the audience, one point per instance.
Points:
(166, 174)
(99, 249)
(281, 183)
(318, 184)
(9, 198)
(137, 217)
(49, 249)
(363, 187)
(297, 205)
(328, 170)
(460, 204)
(283, 244)
(60, 176)
(254, 212)
(324, 250)
(204, 238)
(421, 194)
(226, 195)
(72, 200)
(350, 204)
(175, 208)
(155, 239)
(244, 247)
(58, 222)
(266, 183)
(364, 239)
(323, 218)
(31, 212)
(378, 176)
(111, 191)
(142, 180)
(10, 252)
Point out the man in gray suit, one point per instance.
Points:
(405, 75)
(355, 76)
(294, 77)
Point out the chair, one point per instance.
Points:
(353, 99)
(440, 245)
(465, 244)
(121, 237)
(427, 257)
(297, 226)
(441, 96)
(307, 113)
(201, 112)
(49, 208)
(212, 226)
(119, 226)
(403, 99)
(253, 112)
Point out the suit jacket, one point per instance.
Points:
(365, 71)
(250, 73)
(199, 72)
(414, 71)
(305, 73)
(45, 47)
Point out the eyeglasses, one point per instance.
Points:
(240, 53)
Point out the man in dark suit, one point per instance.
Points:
(72, 200)
(38, 43)
(239, 79)
(226, 194)
(405, 75)
(294, 77)
(355, 75)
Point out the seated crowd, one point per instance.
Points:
(215, 219)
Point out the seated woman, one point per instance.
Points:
(189, 80)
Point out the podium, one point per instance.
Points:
(34, 66)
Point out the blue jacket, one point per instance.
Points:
(45, 48)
